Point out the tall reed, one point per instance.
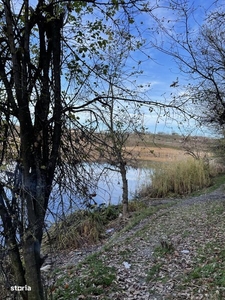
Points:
(179, 178)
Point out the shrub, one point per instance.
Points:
(81, 228)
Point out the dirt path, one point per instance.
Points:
(177, 252)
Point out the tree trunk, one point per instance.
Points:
(16, 264)
(31, 241)
(39, 137)
(31, 251)
(123, 173)
(11, 243)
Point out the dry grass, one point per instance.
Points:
(167, 147)
(180, 178)
(85, 228)
(82, 228)
(161, 147)
(157, 154)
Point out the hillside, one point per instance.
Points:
(167, 147)
(172, 249)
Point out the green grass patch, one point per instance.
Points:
(163, 249)
(209, 266)
(153, 272)
(90, 278)
(216, 181)
(125, 254)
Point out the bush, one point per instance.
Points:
(181, 178)
(81, 228)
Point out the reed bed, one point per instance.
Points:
(178, 178)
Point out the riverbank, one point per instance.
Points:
(173, 249)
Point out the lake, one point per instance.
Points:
(108, 190)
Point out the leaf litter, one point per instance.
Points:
(176, 253)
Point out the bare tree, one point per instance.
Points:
(119, 123)
(43, 47)
(118, 118)
(193, 35)
(52, 53)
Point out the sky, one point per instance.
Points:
(161, 71)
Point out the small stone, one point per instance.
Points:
(185, 251)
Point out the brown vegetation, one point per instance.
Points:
(157, 153)
(167, 147)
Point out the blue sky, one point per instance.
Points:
(161, 71)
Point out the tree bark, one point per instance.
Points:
(12, 245)
(123, 173)
(31, 250)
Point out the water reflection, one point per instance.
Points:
(108, 190)
(110, 187)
